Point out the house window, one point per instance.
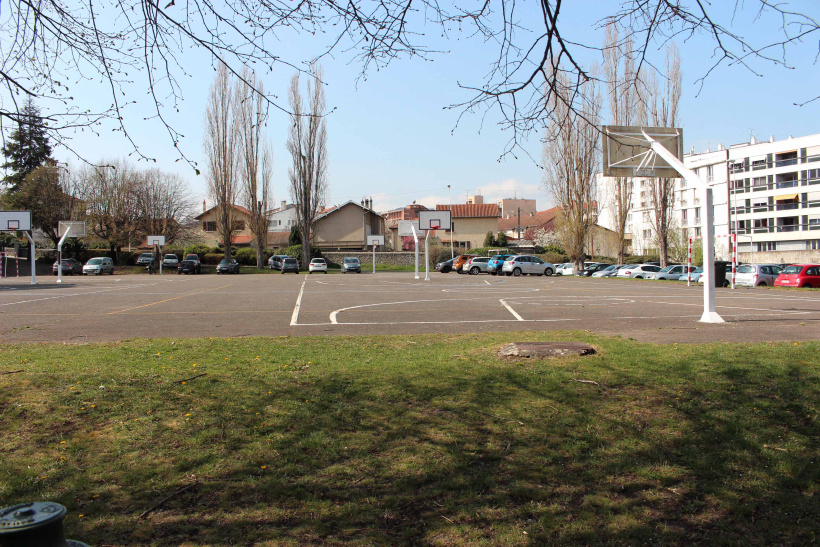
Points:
(239, 225)
(209, 226)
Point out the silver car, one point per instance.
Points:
(170, 261)
(527, 265)
(609, 271)
(351, 264)
(638, 271)
(757, 275)
(670, 273)
(476, 265)
(99, 266)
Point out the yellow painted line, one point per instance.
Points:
(167, 300)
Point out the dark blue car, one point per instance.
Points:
(495, 264)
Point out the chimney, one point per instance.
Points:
(204, 206)
(284, 205)
(771, 138)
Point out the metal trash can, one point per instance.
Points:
(720, 272)
(35, 524)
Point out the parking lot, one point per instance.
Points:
(119, 307)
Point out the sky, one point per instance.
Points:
(391, 136)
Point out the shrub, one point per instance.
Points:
(211, 258)
(246, 256)
(295, 237)
(640, 259)
(553, 257)
(296, 252)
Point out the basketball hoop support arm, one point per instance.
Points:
(60, 254)
(709, 313)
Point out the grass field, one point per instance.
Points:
(414, 440)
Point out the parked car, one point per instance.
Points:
(275, 262)
(592, 268)
(194, 257)
(670, 273)
(609, 271)
(351, 264)
(495, 263)
(145, 259)
(70, 266)
(459, 262)
(446, 266)
(317, 265)
(290, 265)
(189, 267)
(727, 280)
(227, 265)
(756, 275)
(638, 271)
(476, 265)
(98, 266)
(567, 268)
(694, 277)
(799, 275)
(170, 261)
(527, 265)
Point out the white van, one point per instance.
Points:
(98, 266)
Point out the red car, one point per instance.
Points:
(799, 275)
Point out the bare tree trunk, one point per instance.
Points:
(664, 113)
(220, 147)
(252, 115)
(571, 159)
(626, 108)
(307, 145)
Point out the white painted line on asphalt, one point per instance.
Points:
(75, 294)
(335, 313)
(295, 317)
(512, 311)
(441, 322)
(487, 282)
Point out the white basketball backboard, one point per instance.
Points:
(15, 221)
(77, 228)
(433, 220)
(406, 227)
(627, 152)
(375, 239)
(156, 240)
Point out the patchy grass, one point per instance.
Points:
(414, 440)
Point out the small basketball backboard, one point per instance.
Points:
(13, 221)
(627, 152)
(156, 240)
(375, 239)
(434, 220)
(77, 228)
(406, 227)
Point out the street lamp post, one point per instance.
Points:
(450, 192)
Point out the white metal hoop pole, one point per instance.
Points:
(60, 255)
(426, 256)
(709, 313)
(33, 260)
(374, 257)
(689, 264)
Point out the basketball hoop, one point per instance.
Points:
(434, 226)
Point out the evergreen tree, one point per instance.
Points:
(295, 237)
(489, 240)
(502, 239)
(26, 149)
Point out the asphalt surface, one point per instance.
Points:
(110, 308)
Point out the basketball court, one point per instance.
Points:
(111, 308)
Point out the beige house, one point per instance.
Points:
(471, 222)
(346, 226)
(209, 235)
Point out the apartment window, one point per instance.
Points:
(643, 205)
(738, 183)
(761, 223)
(209, 226)
(683, 203)
(643, 194)
(683, 183)
(758, 164)
(629, 216)
(813, 174)
(813, 245)
(683, 214)
(697, 231)
(759, 181)
(767, 246)
(646, 234)
(646, 217)
(697, 213)
(710, 173)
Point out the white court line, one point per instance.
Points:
(77, 294)
(512, 311)
(441, 322)
(335, 313)
(295, 317)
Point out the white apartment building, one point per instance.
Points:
(768, 193)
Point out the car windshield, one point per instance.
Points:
(610, 268)
(290, 261)
(667, 269)
(318, 260)
(351, 260)
(95, 261)
(191, 257)
(792, 270)
(170, 257)
(187, 263)
(147, 255)
(225, 261)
